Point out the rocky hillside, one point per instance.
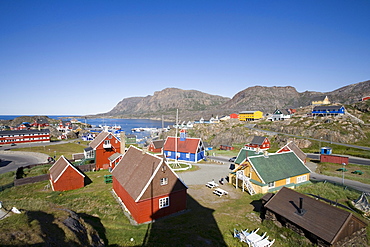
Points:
(165, 103)
(194, 104)
(56, 227)
(343, 129)
(263, 99)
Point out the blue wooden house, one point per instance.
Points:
(330, 110)
(186, 149)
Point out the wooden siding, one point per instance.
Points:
(69, 180)
(148, 209)
(102, 154)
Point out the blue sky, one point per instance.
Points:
(83, 57)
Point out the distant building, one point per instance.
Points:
(24, 136)
(258, 143)
(280, 114)
(330, 110)
(156, 146)
(250, 115)
(226, 147)
(320, 100)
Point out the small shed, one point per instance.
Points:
(337, 159)
(226, 147)
(64, 176)
(325, 150)
(156, 146)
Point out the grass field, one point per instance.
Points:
(331, 169)
(66, 149)
(209, 220)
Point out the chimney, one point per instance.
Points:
(265, 154)
(144, 150)
(301, 211)
(123, 142)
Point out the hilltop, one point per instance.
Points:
(193, 104)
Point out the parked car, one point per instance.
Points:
(13, 144)
(232, 159)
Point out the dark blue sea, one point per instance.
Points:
(126, 124)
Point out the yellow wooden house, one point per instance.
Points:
(250, 115)
(262, 173)
(321, 100)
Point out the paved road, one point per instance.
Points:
(336, 180)
(11, 160)
(206, 173)
(309, 138)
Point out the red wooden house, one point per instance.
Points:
(40, 123)
(147, 186)
(104, 145)
(156, 146)
(64, 176)
(291, 146)
(226, 147)
(259, 143)
(24, 126)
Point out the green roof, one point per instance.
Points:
(243, 155)
(278, 166)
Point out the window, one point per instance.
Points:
(164, 202)
(164, 181)
(106, 142)
(301, 179)
(288, 181)
(188, 155)
(272, 185)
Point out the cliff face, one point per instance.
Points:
(262, 98)
(166, 102)
(194, 104)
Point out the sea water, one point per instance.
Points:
(126, 124)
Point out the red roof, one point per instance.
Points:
(189, 145)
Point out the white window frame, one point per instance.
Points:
(164, 202)
(287, 181)
(272, 185)
(301, 179)
(164, 181)
(188, 155)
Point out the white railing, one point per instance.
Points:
(246, 183)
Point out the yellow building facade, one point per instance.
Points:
(250, 115)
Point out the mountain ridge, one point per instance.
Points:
(194, 104)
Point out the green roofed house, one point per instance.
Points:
(262, 173)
